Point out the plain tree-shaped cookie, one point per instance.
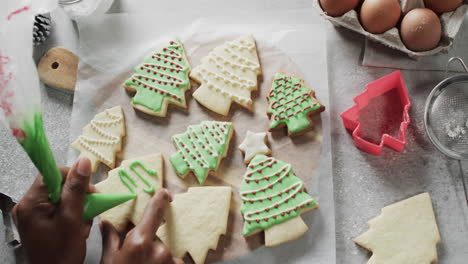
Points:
(201, 148)
(142, 176)
(404, 233)
(228, 74)
(102, 137)
(291, 104)
(195, 220)
(273, 199)
(160, 80)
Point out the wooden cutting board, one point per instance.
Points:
(58, 68)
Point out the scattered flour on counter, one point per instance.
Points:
(454, 130)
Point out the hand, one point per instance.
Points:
(55, 233)
(139, 245)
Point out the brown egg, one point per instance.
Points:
(421, 29)
(442, 6)
(378, 16)
(338, 8)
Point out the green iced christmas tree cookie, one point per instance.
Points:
(201, 148)
(272, 195)
(161, 79)
(292, 104)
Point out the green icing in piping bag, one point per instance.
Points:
(96, 203)
(35, 143)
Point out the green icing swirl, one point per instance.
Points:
(290, 102)
(200, 148)
(162, 75)
(130, 183)
(271, 194)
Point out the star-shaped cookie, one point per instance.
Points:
(253, 144)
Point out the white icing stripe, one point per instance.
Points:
(200, 159)
(170, 79)
(241, 45)
(284, 171)
(231, 79)
(109, 139)
(161, 89)
(237, 98)
(249, 218)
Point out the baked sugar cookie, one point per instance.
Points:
(404, 233)
(142, 176)
(201, 148)
(102, 138)
(273, 199)
(253, 144)
(228, 74)
(160, 80)
(291, 104)
(195, 220)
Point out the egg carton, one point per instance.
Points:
(451, 22)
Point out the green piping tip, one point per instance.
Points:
(97, 203)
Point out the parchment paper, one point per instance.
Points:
(108, 54)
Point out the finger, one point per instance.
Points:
(64, 171)
(75, 188)
(152, 217)
(177, 261)
(162, 254)
(110, 241)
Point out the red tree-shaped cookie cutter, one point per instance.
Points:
(378, 87)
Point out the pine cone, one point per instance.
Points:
(41, 30)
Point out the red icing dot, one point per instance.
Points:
(293, 196)
(276, 205)
(259, 170)
(256, 180)
(270, 186)
(265, 219)
(269, 198)
(282, 214)
(286, 201)
(251, 166)
(274, 217)
(247, 181)
(289, 211)
(258, 221)
(280, 180)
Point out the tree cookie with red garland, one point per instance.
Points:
(160, 80)
(273, 199)
(291, 104)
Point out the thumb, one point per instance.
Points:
(75, 188)
(110, 241)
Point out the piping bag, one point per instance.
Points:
(20, 100)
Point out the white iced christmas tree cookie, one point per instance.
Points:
(253, 144)
(229, 73)
(195, 220)
(142, 176)
(102, 137)
(404, 233)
